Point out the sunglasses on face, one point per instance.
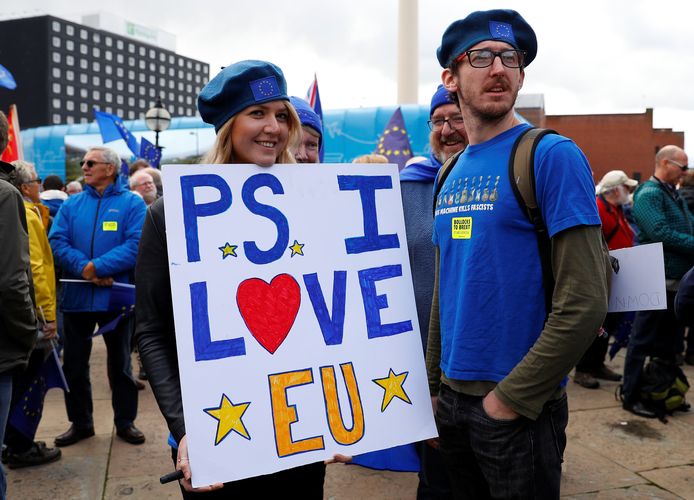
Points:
(91, 163)
(37, 181)
(683, 168)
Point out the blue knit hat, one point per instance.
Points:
(441, 97)
(238, 86)
(308, 117)
(499, 24)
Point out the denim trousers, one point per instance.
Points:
(5, 400)
(489, 458)
(78, 331)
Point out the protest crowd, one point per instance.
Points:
(88, 259)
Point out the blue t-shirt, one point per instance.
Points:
(491, 297)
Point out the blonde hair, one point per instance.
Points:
(371, 158)
(222, 151)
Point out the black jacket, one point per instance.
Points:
(17, 313)
(154, 323)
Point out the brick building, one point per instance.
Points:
(611, 142)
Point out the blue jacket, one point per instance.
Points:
(104, 229)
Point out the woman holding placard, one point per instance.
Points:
(248, 105)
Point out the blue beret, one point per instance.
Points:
(238, 86)
(441, 97)
(307, 116)
(499, 24)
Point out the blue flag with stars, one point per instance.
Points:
(26, 413)
(6, 78)
(122, 300)
(394, 143)
(150, 152)
(112, 129)
(313, 99)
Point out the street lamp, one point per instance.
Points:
(157, 119)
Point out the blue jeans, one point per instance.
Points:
(5, 400)
(489, 458)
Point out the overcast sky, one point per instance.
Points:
(594, 56)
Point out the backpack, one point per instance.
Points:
(662, 387)
(521, 172)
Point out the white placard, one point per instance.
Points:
(296, 323)
(640, 283)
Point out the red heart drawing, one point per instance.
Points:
(269, 310)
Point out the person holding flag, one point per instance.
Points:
(248, 105)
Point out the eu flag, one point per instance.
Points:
(402, 458)
(313, 99)
(112, 129)
(394, 143)
(150, 152)
(26, 413)
(122, 300)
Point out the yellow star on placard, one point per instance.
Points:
(297, 248)
(228, 416)
(228, 250)
(392, 384)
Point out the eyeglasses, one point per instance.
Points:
(683, 168)
(146, 183)
(483, 58)
(454, 122)
(91, 163)
(37, 181)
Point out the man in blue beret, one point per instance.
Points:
(498, 353)
(308, 150)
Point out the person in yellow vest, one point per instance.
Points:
(22, 450)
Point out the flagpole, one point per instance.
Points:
(408, 67)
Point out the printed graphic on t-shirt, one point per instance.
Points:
(468, 194)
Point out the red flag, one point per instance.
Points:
(14, 143)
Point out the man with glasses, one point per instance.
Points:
(143, 184)
(94, 238)
(662, 216)
(498, 354)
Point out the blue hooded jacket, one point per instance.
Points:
(104, 229)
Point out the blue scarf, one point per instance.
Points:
(421, 172)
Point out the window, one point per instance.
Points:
(56, 41)
(119, 86)
(189, 64)
(56, 57)
(96, 37)
(120, 58)
(206, 69)
(84, 49)
(152, 54)
(131, 74)
(197, 78)
(131, 115)
(119, 99)
(131, 88)
(143, 51)
(83, 107)
(56, 72)
(96, 95)
(70, 30)
(70, 105)
(84, 64)
(180, 74)
(152, 79)
(171, 84)
(189, 88)
(119, 112)
(171, 97)
(83, 78)
(180, 98)
(119, 44)
(56, 88)
(83, 34)
(152, 67)
(108, 55)
(108, 83)
(96, 52)
(56, 118)
(162, 57)
(131, 48)
(162, 82)
(108, 41)
(69, 119)
(70, 90)
(119, 72)
(96, 81)
(96, 66)
(56, 103)
(143, 64)
(109, 109)
(131, 61)
(56, 26)
(83, 93)
(131, 101)
(70, 75)
(70, 45)
(189, 100)
(84, 120)
(180, 111)
(108, 69)
(162, 69)
(189, 76)
(197, 66)
(141, 90)
(141, 103)
(172, 72)
(152, 92)
(70, 60)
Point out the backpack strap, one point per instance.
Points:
(521, 171)
(443, 174)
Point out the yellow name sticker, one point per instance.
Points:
(110, 226)
(461, 228)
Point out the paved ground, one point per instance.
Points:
(611, 455)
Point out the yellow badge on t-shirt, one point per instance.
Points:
(110, 225)
(461, 228)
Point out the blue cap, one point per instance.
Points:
(308, 117)
(441, 97)
(500, 24)
(238, 86)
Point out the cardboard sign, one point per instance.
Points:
(640, 283)
(296, 323)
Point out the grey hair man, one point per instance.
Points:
(143, 183)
